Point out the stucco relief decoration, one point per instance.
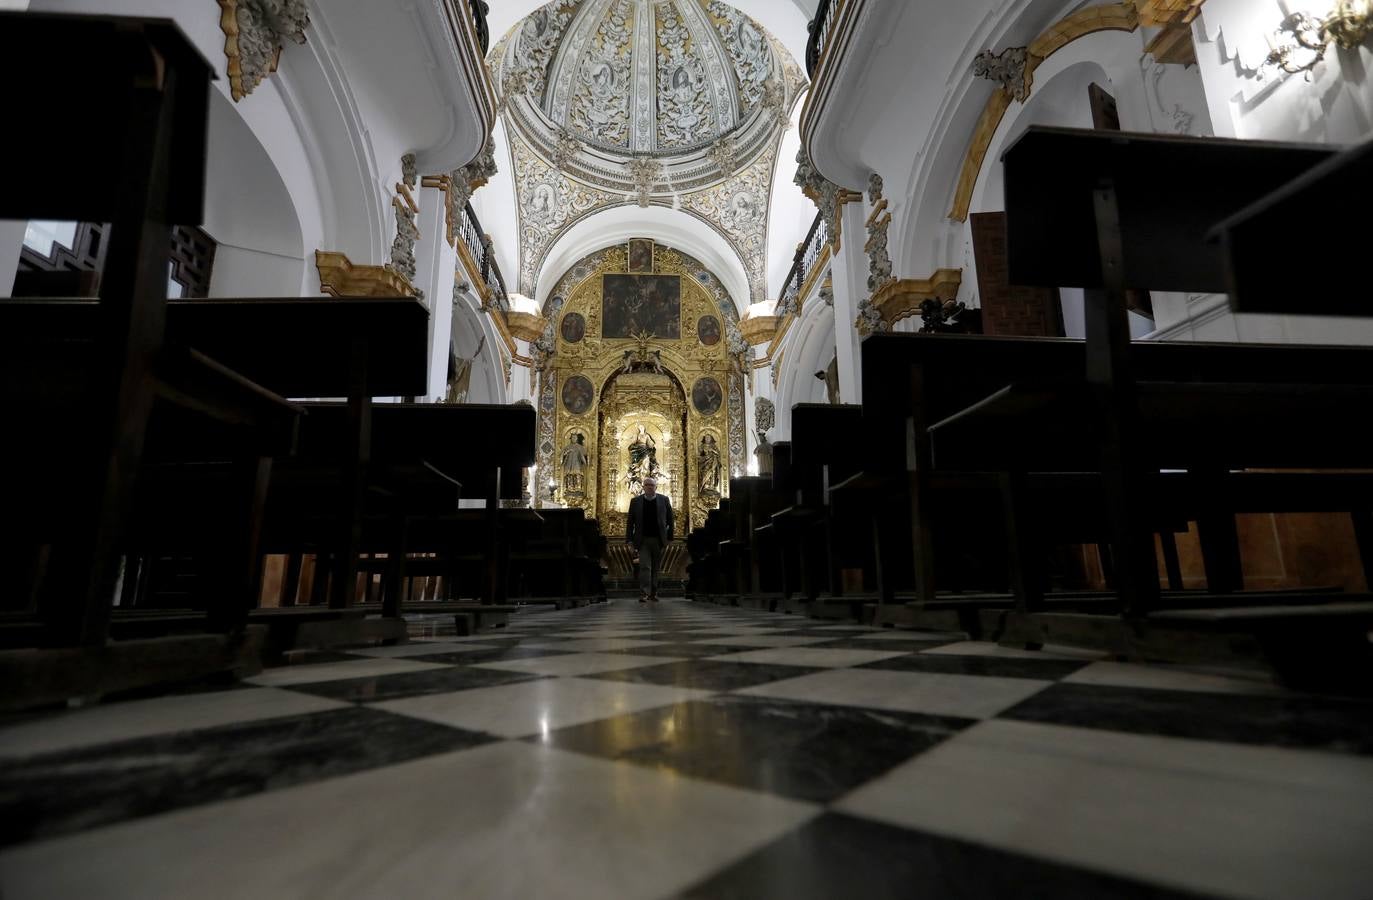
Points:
(879, 260)
(1169, 114)
(748, 48)
(463, 182)
(1008, 69)
(535, 43)
(600, 105)
(764, 415)
(407, 231)
(566, 149)
(645, 171)
(684, 110)
(739, 207)
(821, 191)
(549, 201)
(722, 155)
(255, 32)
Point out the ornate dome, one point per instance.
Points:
(642, 77)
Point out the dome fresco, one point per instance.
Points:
(644, 76)
(679, 104)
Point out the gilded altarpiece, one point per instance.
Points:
(653, 404)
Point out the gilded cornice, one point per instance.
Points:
(758, 329)
(901, 298)
(525, 326)
(339, 277)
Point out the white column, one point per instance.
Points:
(434, 262)
(11, 242)
(850, 275)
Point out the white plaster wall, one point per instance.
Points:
(791, 212)
(808, 347)
(250, 213)
(11, 243)
(1249, 101)
(468, 327)
(496, 205)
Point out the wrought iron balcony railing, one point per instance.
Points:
(480, 248)
(803, 265)
(821, 29)
(479, 11)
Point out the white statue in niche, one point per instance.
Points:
(574, 464)
(643, 460)
(708, 465)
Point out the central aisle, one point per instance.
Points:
(650, 751)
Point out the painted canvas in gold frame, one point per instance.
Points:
(640, 256)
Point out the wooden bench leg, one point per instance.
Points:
(1363, 536)
(290, 582)
(1170, 560)
(1218, 535)
(239, 578)
(1023, 550)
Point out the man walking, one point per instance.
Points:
(650, 530)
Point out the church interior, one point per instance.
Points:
(686, 449)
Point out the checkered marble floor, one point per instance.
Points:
(683, 750)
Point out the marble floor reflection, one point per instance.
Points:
(687, 750)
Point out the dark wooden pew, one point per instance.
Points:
(827, 538)
(353, 348)
(1136, 409)
(72, 489)
(1284, 222)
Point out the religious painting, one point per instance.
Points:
(578, 394)
(708, 330)
(706, 396)
(632, 304)
(640, 255)
(574, 327)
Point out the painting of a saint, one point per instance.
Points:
(632, 304)
(574, 327)
(708, 330)
(578, 394)
(640, 255)
(706, 396)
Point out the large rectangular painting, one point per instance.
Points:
(637, 303)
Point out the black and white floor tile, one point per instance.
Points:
(689, 751)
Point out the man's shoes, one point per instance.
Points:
(643, 598)
(652, 598)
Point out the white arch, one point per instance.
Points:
(924, 237)
(470, 326)
(807, 349)
(667, 226)
(250, 211)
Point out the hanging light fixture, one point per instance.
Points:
(1303, 39)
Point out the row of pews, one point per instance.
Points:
(946, 497)
(153, 459)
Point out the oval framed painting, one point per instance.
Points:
(578, 394)
(574, 327)
(708, 330)
(706, 396)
